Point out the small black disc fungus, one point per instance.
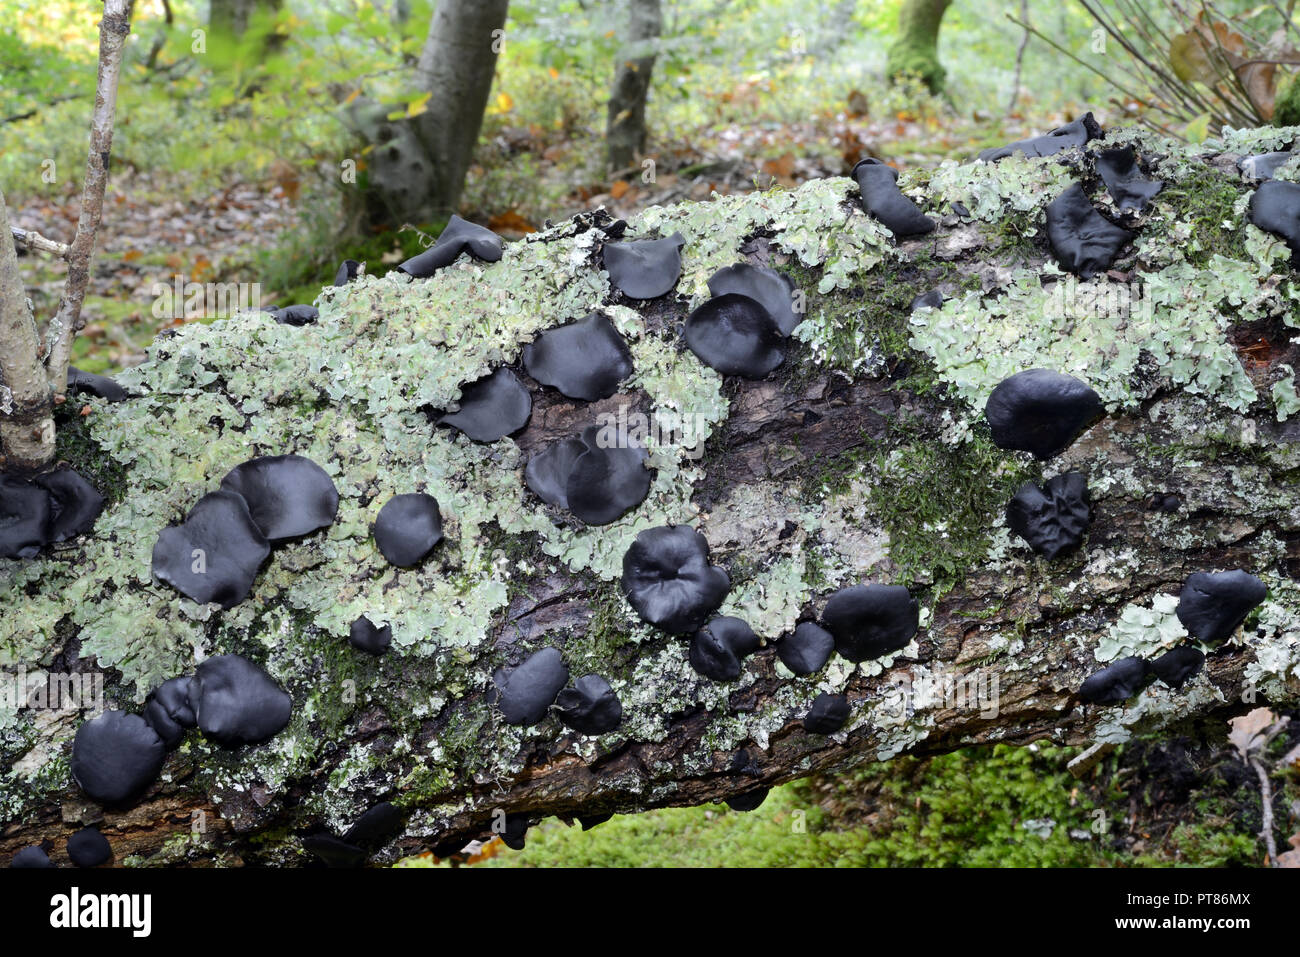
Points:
(1118, 681)
(749, 801)
(1078, 133)
(516, 831)
(597, 484)
(89, 848)
(588, 821)
(1124, 179)
(1179, 665)
(526, 691)
(868, 621)
(377, 826)
(287, 495)
(827, 714)
(735, 335)
(1213, 606)
(1275, 208)
(1083, 241)
(24, 517)
(1054, 518)
(547, 472)
(348, 270)
(214, 555)
(491, 407)
(300, 315)
(717, 648)
(590, 707)
(585, 360)
(168, 710)
(334, 851)
(1041, 412)
(457, 237)
(806, 649)
(366, 636)
(931, 299)
(235, 702)
(74, 503)
(882, 199)
(97, 385)
(667, 578)
(115, 756)
(407, 528)
(30, 858)
(644, 268)
(1263, 165)
(773, 290)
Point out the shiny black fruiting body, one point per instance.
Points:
(1052, 519)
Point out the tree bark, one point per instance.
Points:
(916, 51)
(26, 410)
(625, 129)
(232, 17)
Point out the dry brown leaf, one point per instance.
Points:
(1247, 732)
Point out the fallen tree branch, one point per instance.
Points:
(30, 239)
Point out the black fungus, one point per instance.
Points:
(882, 199)
(377, 826)
(491, 407)
(30, 858)
(299, 315)
(214, 555)
(459, 236)
(1078, 133)
(547, 472)
(597, 484)
(1041, 412)
(588, 821)
(88, 848)
(749, 801)
(1275, 208)
(827, 714)
(97, 385)
(590, 707)
(516, 831)
(1264, 165)
(1178, 666)
(868, 621)
(348, 270)
(773, 290)
(334, 851)
(736, 336)
(1212, 606)
(366, 636)
(526, 691)
(407, 528)
(115, 756)
(1083, 241)
(1117, 682)
(667, 578)
(287, 495)
(644, 268)
(235, 702)
(1124, 179)
(74, 503)
(1054, 518)
(717, 648)
(806, 649)
(168, 710)
(24, 517)
(585, 360)
(932, 299)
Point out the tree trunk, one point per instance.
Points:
(916, 51)
(625, 129)
(864, 458)
(26, 420)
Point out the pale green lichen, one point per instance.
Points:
(1286, 397)
(1143, 630)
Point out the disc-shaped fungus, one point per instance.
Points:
(74, 503)
(930, 299)
(88, 848)
(1127, 184)
(1212, 606)
(590, 707)
(378, 825)
(749, 801)
(1078, 133)
(287, 495)
(235, 702)
(1052, 519)
(773, 290)
(1275, 208)
(299, 315)
(491, 407)
(585, 360)
(717, 648)
(457, 237)
(515, 833)
(115, 756)
(868, 621)
(348, 270)
(827, 714)
(214, 555)
(547, 472)
(644, 268)
(882, 199)
(667, 578)
(1264, 165)
(366, 636)
(1083, 241)
(526, 691)
(1118, 681)
(407, 528)
(805, 649)
(32, 857)
(168, 710)
(597, 484)
(24, 517)
(1179, 665)
(334, 851)
(97, 385)
(735, 335)
(1041, 412)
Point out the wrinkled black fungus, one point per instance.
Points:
(348, 270)
(1052, 519)
(491, 407)
(1117, 682)
(459, 236)
(24, 517)
(88, 848)
(1083, 241)
(588, 821)
(749, 801)
(1178, 666)
(376, 826)
(585, 360)
(774, 291)
(590, 707)
(1275, 208)
(827, 714)
(667, 578)
(299, 315)
(1078, 133)
(868, 621)
(407, 528)
(1264, 165)
(882, 199)
(97, 385)
(366, 636)
(115, 756)
(1041, 412)
(214, 555)
(74, 504)
(168, 710)
(645, 268)
(598, 485)
(806, 649)
(287, 495)
(717, 648)
(1124, 179)
(735, 335)
(235, 702)
(334, 851)
(526, 691)
(516, 831)
(931, 299)
(1163, 502)
(30, 858)
(1213, 606)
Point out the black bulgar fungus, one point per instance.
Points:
(1118, 681)
(586, 359)
(74, 504)
(515, 834)
(168, 710)
(590, 707)
(115, 756)
(1264, 165)
(806, 649)
(407, 528)
(882, 199)
(88, 848)
(214, 555)
(366, 636)
(24, 517)
(97, 385)
(718, 647)
(377, 826)
(827, 714)
(1275, 208)
(491, 407)
(1083, 241)
(1054, 518)
(774, 291)
(287, 495)
(605, 484)
(1179, 665)
(1124, 179)
(588, 821)
(348, 270)
(868, 621)
(1212, 606)
(1041, 412)
(668, 580)
(736, 336)
(457, 237)
(526, 691)
(644, 268)
(931, 299)
(749, 801)
(30, 858)
(547, 472)
(1078, 133)
(299, 315)
(334, 851)
(235, 702)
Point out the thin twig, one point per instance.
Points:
(30, 239)
(1266, 795)
(1020, 58)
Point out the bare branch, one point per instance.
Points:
(26, 422)
(30, 239)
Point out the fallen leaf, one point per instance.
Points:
(1247, 734)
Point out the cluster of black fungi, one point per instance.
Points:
(215, 553)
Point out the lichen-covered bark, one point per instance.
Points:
(864, 458)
